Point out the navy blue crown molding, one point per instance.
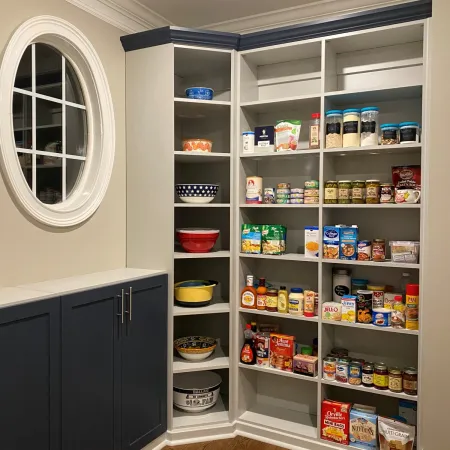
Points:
(406, 12)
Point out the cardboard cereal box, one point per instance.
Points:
(331, 242)
(282, 351)
(335, 421)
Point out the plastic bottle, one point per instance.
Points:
(406, 279)
(412, 307)
(283, 303)
(261, 292)
(398, 313)
(248, 294)
(248, 354)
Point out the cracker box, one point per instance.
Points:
(251, 238)
(331, 242)
(335, 422)
(306, 365)
(363, 429)
(282, 351)
(348, 304)
(348, 243)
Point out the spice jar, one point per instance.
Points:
(387, 193)
(344, 191)
(395, 379)
(410, 381)
(372, 191)
(333, 137)
(381, 376)
(409, 133)
(331, 192)
(272, 300)
(358, 191)
(369, 126)
(389, 134)
(367, 374)
(378, 250)
(314, 131)
(351, 128)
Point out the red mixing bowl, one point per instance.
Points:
(197, 240)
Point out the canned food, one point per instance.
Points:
(283, 185)
(339, 351)
(254, 190)
(282, 195)
(344, 191)
(381, 317)
(373, 191)
(297, 201)
(355, 373)
(358, 191)
(387, 193)
(342, 370)
(395, 379)
(378, 295)
(297, 191)
(312, 184)
(311, 200)
(311, 192)
(364, 306)
(297, 196)
(364, 250)
(269, 195)
(283, 191)
(283, 201)
(381, 376)
(329, 368)
(367, 374)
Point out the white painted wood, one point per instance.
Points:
(285, 257)
(277, 372)
(374, 149)
(286, 154)
(202, 205)
(217, 306)
(291, 206)
(386, 264)
(364, 326)
(377, 206)
(276, 314)
(212, 254)
(378, 94)
(194, 157)
(217, 360)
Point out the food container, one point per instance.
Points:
(390, 134)
(283, 186)
(351, 128)
(262, 342)
(372, 191)
(381, 317)
(331, 192)
(311, 192)
(378, 250)
(333, 137)
(378, 295)
(331, 242)
(196, 391)
(200, 93)
(334, 425)
(248, 142)
(348, 243)
(341, 284)
(358, 191)
(269, 195)
(197, 193)
(358, 284)
(329, 368)
(195, 348)
(364, 250)
(405, 251)
(283, 201)
(409, 133)
(297, 191)
(287, 133)
(197, 240)
(254, 190)
(312, 184)
(387, 193)
(297, 201)
(364, 306)
(344, 191)
(332, 311)
(273, 239)
(406, 177)
(348, 303)
(282, 351)
(194, 292)
(312, 242)
(265, 139)
(369, 126)
(306, 365)
(197, 145)
(251, 238)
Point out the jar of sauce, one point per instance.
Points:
(344, 191)
(367, 374)
(358, 191)
(272, 300)
(410, 381)
(372, 191)
(395, 379)
(331, 192)
(381, 376)
(378, 250)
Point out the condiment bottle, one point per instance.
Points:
(314, 131)
(248, 294)
(398, 313)
(248, 354)
(272, 300)
(283, 300)
(261, 292)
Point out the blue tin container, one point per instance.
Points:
(200, 93)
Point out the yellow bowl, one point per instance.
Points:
(194, 292)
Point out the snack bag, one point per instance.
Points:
(287, 133)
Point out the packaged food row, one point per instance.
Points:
(360, 426)
(297, 302)
(356, 127)
(266, 347)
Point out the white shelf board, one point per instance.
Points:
(280, 373)
(373, 390)
(201, 109)
(202, 205)
(285, 154)
(213, 254)
(201, 102)
(217, 360)
(217, 414)
(363, 326)
(373, 95)
(276, 205)
(276, 314)
(217, 306)
(201, 157)
(377, 206)
(286, 257)
(280, 104)
(374, 150)
(388, 264)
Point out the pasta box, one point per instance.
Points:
(348, 243)
(363, 429)
(331, 237)
(282, 351)
(335, 421)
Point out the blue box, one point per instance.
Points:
(348, 243)
(363, 429)
(331, 236)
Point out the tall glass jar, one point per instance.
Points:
(351, 128)
(369, 126)
(333, 128)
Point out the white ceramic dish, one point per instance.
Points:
(196, 391)
(195, 348)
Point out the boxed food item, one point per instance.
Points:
(264, 139)
(332, 311)
(287, 133)
(335, 421)
(312, 242)
(348, 242)
(251, 238)
(348, 304)
(389, 299)
(306, 365)
(273, 238)
(363, 429)
(331, 236)
(282, 351)
(395, 434)
(406, 177)
(405, 251)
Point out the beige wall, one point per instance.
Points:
(31, 252)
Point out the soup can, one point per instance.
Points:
(381, 317)
(342, 370)
(355, 373)
(269, 195)
(329, 368)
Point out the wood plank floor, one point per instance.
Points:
(238, 443)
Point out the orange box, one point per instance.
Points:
(282, 348)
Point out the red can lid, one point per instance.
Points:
(315, 115)
(412, 289)
(248, 326)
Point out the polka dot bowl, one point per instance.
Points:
(197, 193)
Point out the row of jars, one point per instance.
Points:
(355, 127)
(358, 192)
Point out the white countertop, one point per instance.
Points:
(10, 296)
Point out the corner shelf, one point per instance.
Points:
(275, 205)
(286, 154)
(277, 372)
(386, 264)
(216, 361)
(212, 254)
(363, 326)
(201, 157)
(217, 306)
(276, 314)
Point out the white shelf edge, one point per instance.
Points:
(372, 148)
(216, 361)
(372, 263)
(202, 154)
(217, 306)
(375, 206)
(287, 153)
(285, 257)
(201, 205)
(314, 319)
(363, 326)
(213, 254)
(276, 205)
(296, 98)
(371, 91)
(280, 373)
(201, 102)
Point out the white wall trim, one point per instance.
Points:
(126, 15)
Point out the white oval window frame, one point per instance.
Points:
(94, 180)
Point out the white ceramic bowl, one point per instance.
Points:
(196, 391)
(195, 348)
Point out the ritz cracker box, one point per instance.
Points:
(335, 421)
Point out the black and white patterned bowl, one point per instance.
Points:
(197, 193)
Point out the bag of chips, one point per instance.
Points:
(395, 435)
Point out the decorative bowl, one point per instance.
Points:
(197, 145)
(195, 348)
(194, 292)
(197, 240)
(197, 193)
(200, 93)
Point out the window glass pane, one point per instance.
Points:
(25, 160)
(49, 183)
(74, 168)
(48, 71)
(48, 126)
(23, 77)
(22, 113)
(76, 131)
(74, 93)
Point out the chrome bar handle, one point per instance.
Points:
(121, 314)
(130, 310)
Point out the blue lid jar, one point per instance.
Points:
(246, 133)
(334, 112)
(359, 281)
(297, 290)
(389, 125)
(352, 111)
(409, 124)
(370, 108)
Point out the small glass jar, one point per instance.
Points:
(387, 193)
(409, 133)
(351, 133)
(333, 134)
(372, 191)
(272, 300)
(358, 191)
(410, 381)
(367, 374)
(331, 192)
(369, 126)
(381, 376)
(390, 134)
(378, 250)
(344, 191)
(395, 379)
(314, 131)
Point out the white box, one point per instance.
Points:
(312, 242)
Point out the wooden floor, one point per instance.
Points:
(238, 443)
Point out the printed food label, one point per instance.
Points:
(341, 290)
(409, 385)
(395, 384)
(271, 301)
(331, 193)
(372, 192)
(344, 193)
(367, 378)
(248, 299)
(333, 128)
(261, 300)
(368, 127)
(380, 380)
(351, 127)
(358, 192)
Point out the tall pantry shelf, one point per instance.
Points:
(383, 67)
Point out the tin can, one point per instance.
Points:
(254, 190)
(342, 370)
(314, 184)
(381, 317)
(269, 195)
(364, 250)
(284, 186)
(262, 349)
(329, 368)
(378, 295)
(355, 373)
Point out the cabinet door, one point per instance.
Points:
(91, 369)
(30, 376)
(144, 363)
